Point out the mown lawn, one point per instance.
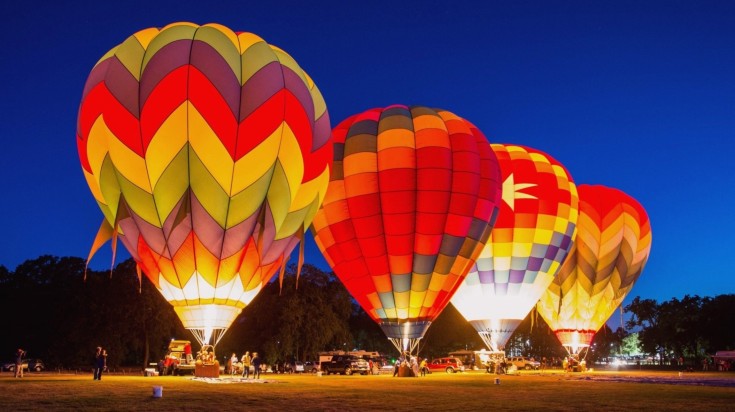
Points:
(549, 391)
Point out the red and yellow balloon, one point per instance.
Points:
(208, 152)
(610, 250)
(411, 201)
(530, 240)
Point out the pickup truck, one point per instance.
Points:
(178, 359)
(522, 362)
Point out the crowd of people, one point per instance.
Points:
(244, 366)
(712, 363)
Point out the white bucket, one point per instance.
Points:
(681, 374)
(497, 381)
(319, 374)
(157, 391)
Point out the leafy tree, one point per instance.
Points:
(717, 332)
(631, 345)
(606, 343)
(647, 316)
(4, 275)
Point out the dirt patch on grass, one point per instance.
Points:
(685, 378)
(227, 380)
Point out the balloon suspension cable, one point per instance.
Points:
(208, 337)
(578, 351)
(491, 343)
(405, 344)
(586, 350)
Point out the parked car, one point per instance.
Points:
(448, 365)
(522, 362)
(346, 365)
(312, 367)
(28, 364)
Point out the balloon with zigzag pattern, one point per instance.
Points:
(209, 153)
(611, 248)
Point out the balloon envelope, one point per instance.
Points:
(611, 248)
(530, 239)
(411, 201)
(208, 152)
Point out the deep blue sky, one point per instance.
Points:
(637, 95)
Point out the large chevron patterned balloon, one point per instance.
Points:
(411, 202)
(528, 244)
(209, 153)
(610, 250)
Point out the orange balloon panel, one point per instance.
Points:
(611, 248)
(410, 204)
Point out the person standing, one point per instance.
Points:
(96, 363)
(423, 367)
(187, 353)
(233, 363)
(256, 365)
(19, 354)
(246, 361)
(101, 363)
(414, 367)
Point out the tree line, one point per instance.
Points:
(58, 315)
(692, 328)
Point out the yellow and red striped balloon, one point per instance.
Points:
(209, 153)
(611, 248)
(410, 205)
(528, 244)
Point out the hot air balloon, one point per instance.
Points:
(411, 201)
(209, 153)
(531, 238)
(611, 248)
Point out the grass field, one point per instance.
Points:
(473, 391)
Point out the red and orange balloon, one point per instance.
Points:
(411, 201)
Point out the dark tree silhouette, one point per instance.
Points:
(60, 317)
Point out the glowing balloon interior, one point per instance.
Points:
(411, 201)
(208, 152)
(530, 240)
(611, 248)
